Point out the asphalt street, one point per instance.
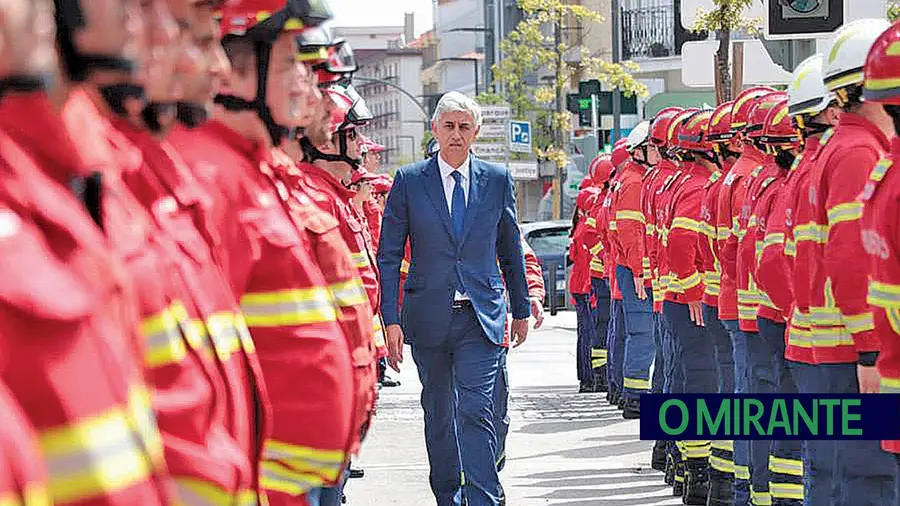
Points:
(564, 448)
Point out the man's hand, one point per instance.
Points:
(869, 379)
(639, 288)
(537, 312)
(696, 310)
(518, 332)
(395, 346)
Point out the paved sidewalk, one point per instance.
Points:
(564, 448)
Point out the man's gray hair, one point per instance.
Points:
(454, 101)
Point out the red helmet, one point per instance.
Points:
(382, 184)
(720, 123)
(265, 19)
(367, 145)
(659, 129)
(600, 169)
(619, 154)
(586, 198)
(348, 109)
(362, 175)
(761, 108)
(692, 135)
(779, 128)
(586, 182)
(882, 70)
(332, 60)
(676, 125)
(743, 104)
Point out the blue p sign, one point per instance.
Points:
(520, 136)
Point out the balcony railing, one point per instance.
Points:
(649, 32)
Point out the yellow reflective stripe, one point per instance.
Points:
(325, 464)
(790, 248)
(735, 226)
(760, 498)
(596, 265)
(289, 307)
(598, 362)
(773, 239)
(707, 230)
(890, 385)
(651, 229)
(686, 224)
(163, 343)
(631, 215)
(741, 472)
(859, 323)
(713, 290)
(786, 490)
(723, 233)
(597, 248)
(32, 495)
(678, 285)
(752, 222)
(360, 260)
(278, 478)
(725, 445)
(102, 454)
(378, 331)
(781, 465)
(880, 170)
(884, 295)
(637, 383)
(850, 211)
(404, 267)
(193, 492)
(721, 465)
(800, 334)
(696, 449)
(349, 293)
(893, 315)
(227, 333)
(613, 226)
(806, 232)
(598, 357)
(590, 222)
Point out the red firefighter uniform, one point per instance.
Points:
(775, 271)
(628, 225)
(373, 213)
(601, 214)
(682, 220)
(372, 252)
(881, 238)
(265, 247)
(650, 197)
(806, 239)
(74, 363)
(205, 460)
(730, 204)
(534, 277)
(579, 253)
(840, 317)
(592, 236)
(23, 480)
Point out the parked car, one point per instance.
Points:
(550, 242)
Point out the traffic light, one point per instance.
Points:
(798, 19)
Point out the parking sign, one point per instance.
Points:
(520, 136)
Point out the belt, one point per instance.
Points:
(461, 304)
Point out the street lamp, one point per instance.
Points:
(473, 60)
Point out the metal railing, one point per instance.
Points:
(648, 32)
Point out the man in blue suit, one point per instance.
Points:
(459, 215)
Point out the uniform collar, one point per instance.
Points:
(855, 120)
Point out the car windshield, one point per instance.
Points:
(552, 241)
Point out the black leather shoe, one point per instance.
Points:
(357, 473)
(585, 387)
(658, 461)
(390, 382)
(631, 409)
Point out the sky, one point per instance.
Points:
(381, 13)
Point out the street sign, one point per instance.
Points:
(697, 69)
(495, 112)
(490, 150)
(523, 170)
(492, 130)
(520, 136)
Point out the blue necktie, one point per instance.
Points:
(458, 214)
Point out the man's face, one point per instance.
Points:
(284, 92)
(114, 28)
(202, 81)
(313, 107)
(169, 52)
(455, 132)
(27, 37)
(653, 156)
(319, 131)
(372, 161)
(381, 199)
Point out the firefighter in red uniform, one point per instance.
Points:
(23, 479)
(728, 209)
(283, 256)
(73, 362)
(580, 286)
(742, 198)
(721, 457)
(683, 309)
(781, 140)
(843, 344)
(632, 273)
(600, 171)
(880, 216)
(813, 110)
(212, 355)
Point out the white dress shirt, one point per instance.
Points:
(449, 184)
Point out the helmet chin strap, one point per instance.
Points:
(152, 113)
(26, 83)
(312, 153)
(191, 115)
(277, 133)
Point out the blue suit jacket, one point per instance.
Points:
(417, 209)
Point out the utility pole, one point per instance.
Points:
(616, 57)
(559, 134)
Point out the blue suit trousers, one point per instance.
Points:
(501, 409)
(458, 378)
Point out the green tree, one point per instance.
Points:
(529, 50)
(893, 12)
(725, 18)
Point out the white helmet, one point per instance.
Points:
(807, 93)
(638, 136)
(849, 48)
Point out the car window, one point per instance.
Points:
(551, 241)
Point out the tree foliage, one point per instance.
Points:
(532, 50)
(726, 17)
(893, 12)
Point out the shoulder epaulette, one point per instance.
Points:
(826, 136)
(715, 176)
(669, 180)
(757, 171)
(767, 182)
(797, 162)
(875, 178)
